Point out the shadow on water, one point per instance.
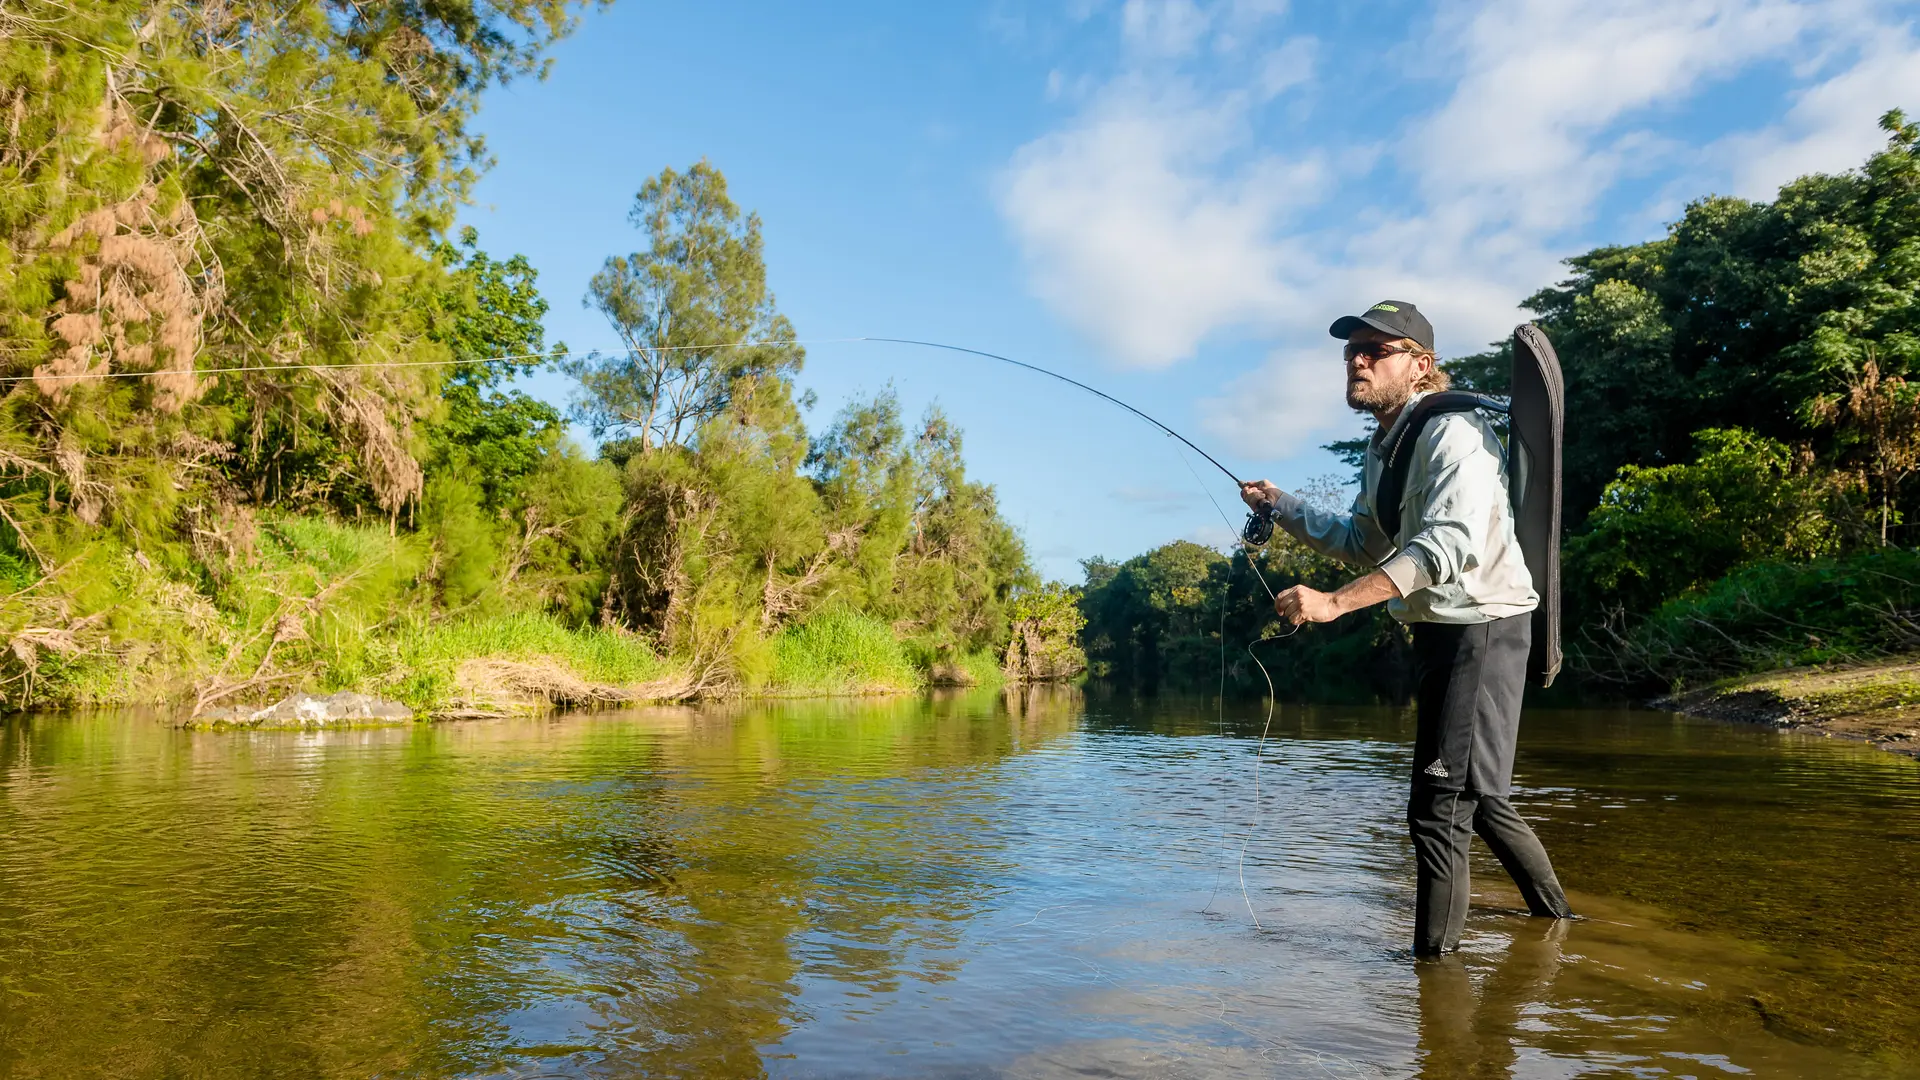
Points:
(1027, 885)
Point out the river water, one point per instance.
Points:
(989, 885)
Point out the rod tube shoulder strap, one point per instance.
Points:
(1398, 456)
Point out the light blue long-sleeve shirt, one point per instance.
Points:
(1460, 561)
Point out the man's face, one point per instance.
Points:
(1384, 384)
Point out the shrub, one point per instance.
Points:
(1662, 530)
(1767, 616)
(420, 660)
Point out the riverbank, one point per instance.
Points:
(518, 664)
(503, 665)
(1877, 703)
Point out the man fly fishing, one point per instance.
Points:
(1448, 563)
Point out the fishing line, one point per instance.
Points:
(1071, 382)
(1220, 711)
(1259, 756)
(450, 362)
(1260, 747)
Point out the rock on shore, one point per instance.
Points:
(343, 709)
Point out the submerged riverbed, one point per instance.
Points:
(979, 886)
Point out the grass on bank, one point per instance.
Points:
(427, 656)
(313, 604)
(841, 652)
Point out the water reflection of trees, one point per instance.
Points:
(828, 842)
(640, 893)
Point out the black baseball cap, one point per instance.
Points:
(1396, 317)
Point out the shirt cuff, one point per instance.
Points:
(1288, 508)
(1408, 572)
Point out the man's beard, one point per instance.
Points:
(1377, 396)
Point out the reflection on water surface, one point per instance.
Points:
(979, 886)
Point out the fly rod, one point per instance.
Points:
(1071, 382)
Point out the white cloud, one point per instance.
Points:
(1525, 139)
(1155, 218)
(1163, 27)
(1139, 231)
(1832, 125)
(1288, 66)
(1296, 398)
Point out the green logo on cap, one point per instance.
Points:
(1383, 307)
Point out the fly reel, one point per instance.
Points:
(1259, 527)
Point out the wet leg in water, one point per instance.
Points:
(1442, 824)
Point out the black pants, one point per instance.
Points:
(1471, 679)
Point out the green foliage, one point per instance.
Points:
(488, 313)
(983, 669)
(840, 651)
(1047, 627)
(1743, 316)
(737, 526)
(417, 664)
(178, 196)
(1155, 613)
(1660, 531)
(1739, 402)
(1767, 616)
(269, 437)
(751, 527)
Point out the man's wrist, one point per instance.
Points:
(1345, 599)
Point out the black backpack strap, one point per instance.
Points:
(1392, 489)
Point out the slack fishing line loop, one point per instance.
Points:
(1248, 547)
(1259, 757)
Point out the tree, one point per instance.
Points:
(1181, 613)
(1045, 644)
(1880, 416)
(246, 188)
(1743, 316)
(513, 508)
(693, 311)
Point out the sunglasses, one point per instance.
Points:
(1376, 350)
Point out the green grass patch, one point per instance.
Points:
(983, 668)
(425, 655)
(839, 652)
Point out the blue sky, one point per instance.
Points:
(1168, 199)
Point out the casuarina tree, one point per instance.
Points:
(693, 313)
